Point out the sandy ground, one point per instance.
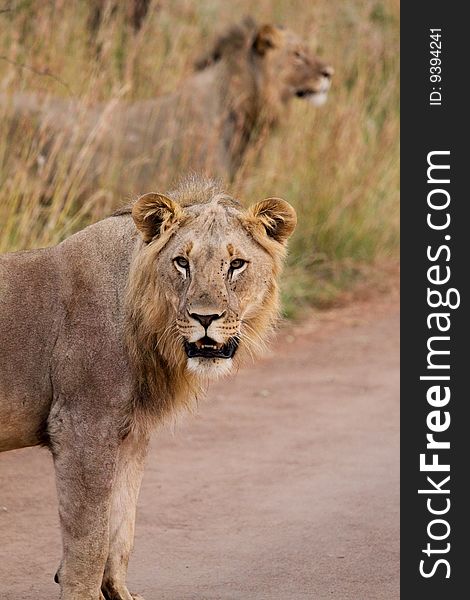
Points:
(284, 486)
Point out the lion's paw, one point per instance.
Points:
(119, 593)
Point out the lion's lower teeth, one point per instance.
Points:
(204, 346)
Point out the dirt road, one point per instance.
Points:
(285, 485)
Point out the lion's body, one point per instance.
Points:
(100, 338)
(144, 141)
(51, 301)
(206, 125)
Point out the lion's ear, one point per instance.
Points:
(154, 213)
(277, 216)
(265, 38)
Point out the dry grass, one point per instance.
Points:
(337, 165)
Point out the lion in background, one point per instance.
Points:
(238, 93)
(120, 325)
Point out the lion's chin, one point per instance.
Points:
(317, 99)
(209, 368)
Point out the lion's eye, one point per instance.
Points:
(237, 263)
(182, 262)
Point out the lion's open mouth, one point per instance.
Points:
(208, 348)
(302, 93)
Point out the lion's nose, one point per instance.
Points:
(327, 72)
(206, 320)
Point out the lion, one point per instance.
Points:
(238, 93)
(116, 329)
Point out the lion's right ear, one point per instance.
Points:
(154, 213)
(266, 38)
(277, 217)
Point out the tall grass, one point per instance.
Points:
(337, 165)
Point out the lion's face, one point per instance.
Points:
(217, 265)
(217, 277)
(288, 63)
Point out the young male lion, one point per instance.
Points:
(118, 326)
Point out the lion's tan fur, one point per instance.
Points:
(99, 342)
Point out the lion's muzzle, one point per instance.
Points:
(317, 92)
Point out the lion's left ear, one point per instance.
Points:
(277, 216)
(154, 213)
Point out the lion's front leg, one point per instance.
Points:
(128, 477)
(84, 460)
